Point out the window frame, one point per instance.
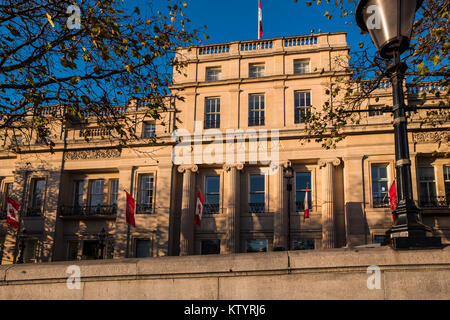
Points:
(147, 134)
(249, 240)
(429, 201)
(256, 107)
(32, 210)
(145, 208)
(207, 122)
(380, 202)
(259, 72)
(299, 61)
(216, 77)
(310, 193)
(205, 240)
(255, 207)
(302, 112)
(216, 208)
(150, 247)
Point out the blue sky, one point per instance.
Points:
(233, 20)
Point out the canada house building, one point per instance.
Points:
(241, 122)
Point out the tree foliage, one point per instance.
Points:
(428, 60)
(117, 53)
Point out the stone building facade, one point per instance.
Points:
(240, 125)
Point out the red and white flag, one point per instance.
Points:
(393, 199)
(130, 210)
(306, 205)
(260, 28)
(199, 209)
(12, 212)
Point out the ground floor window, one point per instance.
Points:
(210, 246)
(72, 250)
(256, 246)
(142, 248)
(90, 249)
(30, 253)
(303, 244)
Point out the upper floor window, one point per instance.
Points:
(78, 191)
(210, 246)
(113, 191)
(145, 194)
(447, 183)
(375, 111)
(302, 100)
(96, 193)
(302, 180)
(257, 196)
(256, 110)
(213, 73)
(427, 187)
(380, 186)
(7, 191)
(37, 197)
(212, 194)
(301, 66)
(256, 70)
(148, 129)
(212, 113)
(256, 245)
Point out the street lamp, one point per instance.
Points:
(288, 173)
(390, 23)
(102, 238)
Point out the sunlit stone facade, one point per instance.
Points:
(241, 123)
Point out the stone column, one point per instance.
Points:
(187, 209)
(328, 202)
(280, 219)
(233, 205)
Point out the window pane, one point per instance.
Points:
(304, 244)
(78, 193)
(380, 186)
(256, 245)
(114, 191)
(257, 183)
(96, 196)
(148, 129)
(142, 248)
(210, 247)
(302, 179)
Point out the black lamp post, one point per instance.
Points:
(102, 238)
(288, 173)
(390, 23)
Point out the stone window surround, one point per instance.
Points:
(28, 194)
(86, 178)
(145, 171)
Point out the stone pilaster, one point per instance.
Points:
(233, 205)
(328, 202)
(187, 209)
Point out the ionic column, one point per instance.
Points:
(328, 202)
(232, 204)
(187, 210)
(280, 219)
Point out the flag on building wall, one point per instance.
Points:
(12, 212)
(260, 27)
(199, 209)
(306, 205)
(393, 199)
(130, 210)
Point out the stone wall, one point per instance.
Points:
(315, 274)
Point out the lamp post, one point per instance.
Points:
(288, 173)
(102, 238)
(389, 23)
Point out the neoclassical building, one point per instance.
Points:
(241, 122)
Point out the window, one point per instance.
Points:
(257, 196)
(113, 191)
(256, 246)
(212, 194)
(302, 180)
(212, 113)
(302, 100)
(375, 111)
(72, 250)
(303, 244)
(30, 253)
(145, 194)
(37, 197)
(210, 247)
(96, 193)
(6, 192)
(78, 190)
(142, 248)
(301, 66)
(148, 130)
(380, 186)
(447, 183)
(90, 249)
(427, 187)
(256, 70)
(213, 73)
(378, 239)
(256, 110)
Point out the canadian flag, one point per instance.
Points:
(260, 28)
(393, 199)
(199, 209)
(306, 212)
(12, 212)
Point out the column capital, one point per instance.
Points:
(183, 168)
(228, 166)
(274, 166)
(334, 161)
